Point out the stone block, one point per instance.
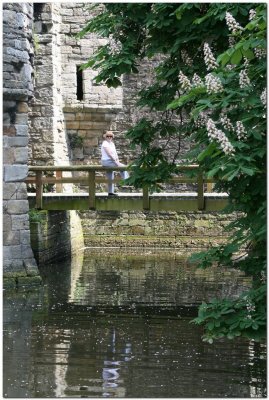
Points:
(85, 125)
(11, 238)
(70, 117)
(17, 141)
(6, 119)
(20, 222)
(9, 130)
(47, 110)
(102, 117)
(65, 28)
(31, 267)
(8, 156)
(21, 155)
(72, 125)
(17, 206)
(14, 173)
(67, 11)
(21, 121)
(6, 223)
(43, 123)
(23, 107)
(25, 237)
(12, 252)
(91, 142)
(99, 125)
(9, 190)
(47, 136)
(77, 153)
(26, 251)
(70, 41)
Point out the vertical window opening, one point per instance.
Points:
(38, 8)
(80, 93)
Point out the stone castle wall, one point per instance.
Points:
(86, 109)
(18, 257)
(48, 142)
(186, 231)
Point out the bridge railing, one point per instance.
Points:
(91, 179)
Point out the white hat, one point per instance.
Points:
(110, 133)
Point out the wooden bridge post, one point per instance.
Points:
(59, 186)
(200, 191)
(145, 198)
(91, 182)
(39, 190)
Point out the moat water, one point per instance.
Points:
(117, 324)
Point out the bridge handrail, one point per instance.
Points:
(96, 167)
(92, 179)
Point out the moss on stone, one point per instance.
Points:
(16, 280)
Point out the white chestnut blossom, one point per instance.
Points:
(263, 97)
(197, 81)
(250, 307)
(115, 45)
(210, 60)
(233, 26)
(213, 84)
(240, 130)
(220, 137)
(184, 81)
(201, 120)
(246, 62)
(259, 53)
(230, 67)
(231, 41)
(226, 122)
(252, 14)
(185, 58)
(244, 80)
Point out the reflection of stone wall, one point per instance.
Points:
(159, 278)
(17, 90)
(182, 230)
(56, 235)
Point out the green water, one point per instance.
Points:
(117, 324)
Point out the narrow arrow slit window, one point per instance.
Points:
(80, 94)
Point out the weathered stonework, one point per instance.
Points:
(186, 231)
(70, 111)
(65, 114)
(18, 259)
(48, 145)
(56, 235)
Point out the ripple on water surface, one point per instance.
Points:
(118, 325)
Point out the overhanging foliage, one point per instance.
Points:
(213, 70)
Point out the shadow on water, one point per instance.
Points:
(117, 324)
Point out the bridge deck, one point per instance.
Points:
(131, 201)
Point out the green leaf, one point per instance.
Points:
(224, 58)
(207, 152)
(248, 171)
(236, 57)
(213, 171)
(248, 54)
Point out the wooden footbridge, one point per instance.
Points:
(91, 175)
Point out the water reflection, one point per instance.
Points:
(109, 279)
(96, 331)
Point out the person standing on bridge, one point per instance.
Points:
(110, 159)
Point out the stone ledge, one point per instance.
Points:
(13, 281)
(16, 94)
(84, 107)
